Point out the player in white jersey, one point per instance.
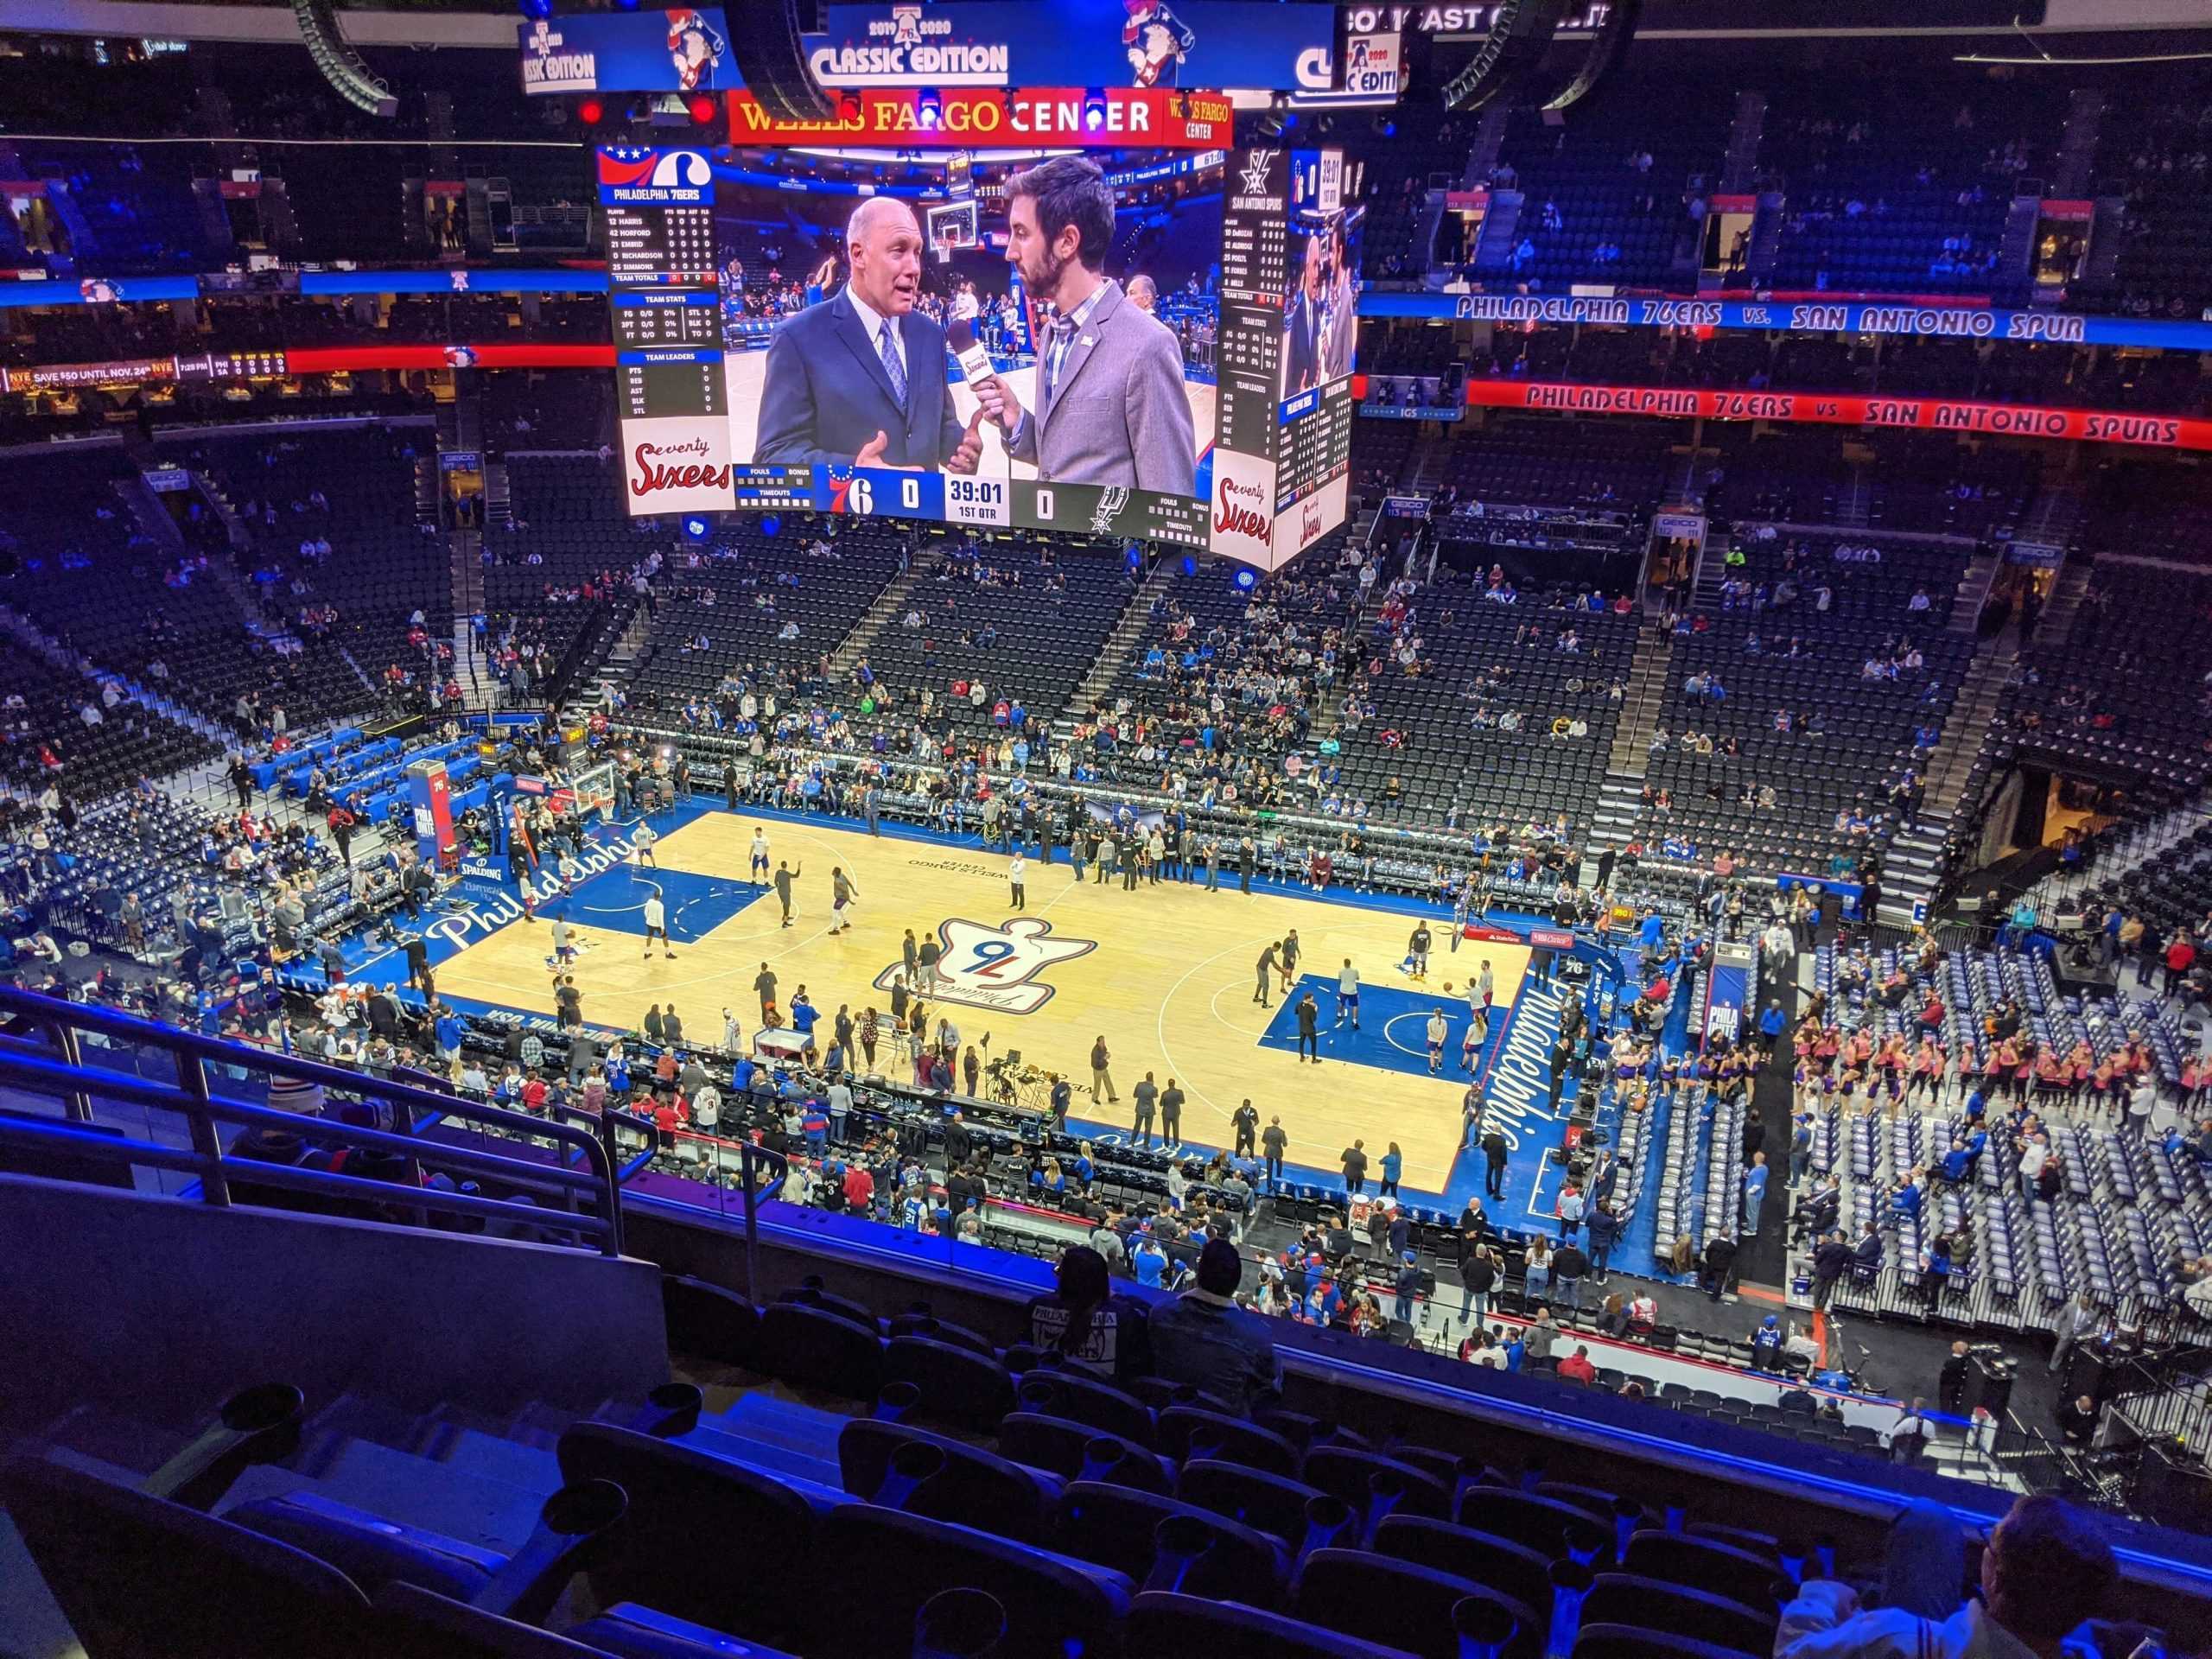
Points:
(1348, 994)
(759, 854)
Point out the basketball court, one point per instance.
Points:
(1165, 973)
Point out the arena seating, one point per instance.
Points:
(1024, 631)
(42, 711)
(1469, 739)
(2129, 1211)
(2114, 694)
(738, 597)
(1586, 463)
(1276, 1534)
(1204, 639)
(383, 568)
(1620, 217)
(1814, 702)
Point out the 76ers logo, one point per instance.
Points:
(995, 967)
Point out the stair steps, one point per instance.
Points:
(818, 1480)
(888, 604)
(1122, 643)
(802, 1428)
(418, 1491)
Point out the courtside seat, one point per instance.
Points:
(139, 1577)
(1512, 1570)
(1078, 1452)
(1058, 1391)
(1053, 1604)
(819, 1349)
(1185, 1432)
(1403, 1604)
(1157, 1540)
(908, 1468)
(684, 1501)
(1631, 1598)
(957, 1385)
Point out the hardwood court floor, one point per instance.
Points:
(1165, 973)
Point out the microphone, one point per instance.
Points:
(974, 361)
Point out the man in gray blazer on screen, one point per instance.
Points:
(1111, 408)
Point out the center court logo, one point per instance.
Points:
(995, 968)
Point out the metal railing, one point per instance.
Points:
(42, 1049)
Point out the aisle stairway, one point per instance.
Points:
(1114, 654)
(1647, 690)
(888, 605)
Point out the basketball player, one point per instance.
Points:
(1417, 950)
(784, 876)
(657, 922)
(1438, 1029)
(841, 894)
(760, 871)
(1266, 969)
(641, 840)
(1348, 994)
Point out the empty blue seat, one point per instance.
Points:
(1166, 1623)
(684, 1501)
(1053, 1604)
(819, 1349)
(1404, 1604)
(910, 1468)
(956, 1385)
(1057, 1392)
(139, 1577)
(1270, 1503)
(1203, 1554)
(1078, 1452)
(1650, 1603)
(1185, 1431)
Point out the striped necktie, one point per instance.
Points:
(887, 349)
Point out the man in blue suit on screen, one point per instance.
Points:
(859, 380)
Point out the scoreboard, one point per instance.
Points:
(671, 399)
(675, 382)
(649, 245)
(679, 317)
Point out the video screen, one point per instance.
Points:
(1027, 341)
(1320, 309)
